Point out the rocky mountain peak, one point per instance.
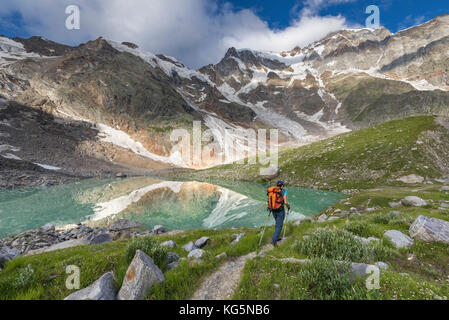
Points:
(43, 47)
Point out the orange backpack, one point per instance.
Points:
(275, 199)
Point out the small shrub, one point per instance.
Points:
(359, 228)
(328, 280)
(392, 219)
(151, 247)
(24, 277)
(334, 244)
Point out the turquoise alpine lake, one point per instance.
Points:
(177, 205)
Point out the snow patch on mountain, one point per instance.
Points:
(12, 51)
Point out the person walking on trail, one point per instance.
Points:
(277, 198)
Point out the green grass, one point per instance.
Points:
(43, 276)
(360, 159)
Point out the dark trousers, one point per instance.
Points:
(279, 217)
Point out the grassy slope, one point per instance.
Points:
(356, 160)
(263, 278)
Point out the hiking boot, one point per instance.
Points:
(274, 244)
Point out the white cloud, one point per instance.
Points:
(196, 32)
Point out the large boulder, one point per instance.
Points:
(7, 254)
(201, 242)
(399, 239)
(142, 274)
(430, 229)
(102, 289)
(413, 201)
(413, 178)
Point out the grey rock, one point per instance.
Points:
(141, 276)
(102, 289)
(201, 242)
(237, 237)
(444, 205)
(189, 246)
(381, 265)
(48, 228)
(169, 244)
(413, 178)
(367, 240)
(413, 201)
(362, 269)
(123, 224)
(172, 265)
(98, 238)
(221, 255)
(158, 229)
(8, 254)
(444, 188)
(333, 218)
(393, 204)
(172, 257)
(196, 254)
(322, 218)
(345, 214)
(399, 239)
(430, 229)
(353, 210)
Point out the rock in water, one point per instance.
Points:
(142, 274)
(196, 254)
(413, 201)
(7, 254)
(430, 229)
(399, 239)
(201, 242)
(189, 246)
(102, 289)
(413, 178)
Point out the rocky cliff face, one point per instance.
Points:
(133, 100)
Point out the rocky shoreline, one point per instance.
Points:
(49, 238)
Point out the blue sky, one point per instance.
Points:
(395, 14)
(198, 32)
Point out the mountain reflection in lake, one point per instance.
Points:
(177, 205)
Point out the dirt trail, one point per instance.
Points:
(221, 284)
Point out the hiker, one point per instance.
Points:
(277, 198)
